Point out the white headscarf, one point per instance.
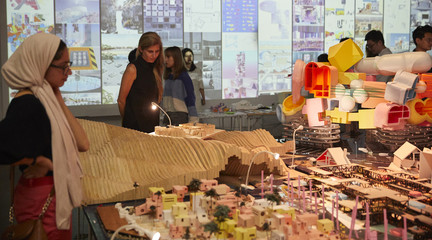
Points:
(26, 68)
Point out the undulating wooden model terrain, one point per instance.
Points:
(119, 157)
(251, 140)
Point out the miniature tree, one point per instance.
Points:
(211, 227)
(212, 194)
(221, 213)
(277, 195)
(187, 233)
(194, 187)
(272, 198)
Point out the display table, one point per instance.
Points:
(258, 116)
(252, 117)
(99, 231)
(235, 118)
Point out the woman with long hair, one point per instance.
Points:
(142, 84)
(178, 97)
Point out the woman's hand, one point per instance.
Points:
(57, 94)
(39, 169)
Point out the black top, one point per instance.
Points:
(138, 113)
(25, 131)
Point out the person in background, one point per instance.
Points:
(196, 76)
(323, 57)
(141, 85)
(41, 135)
(375, 44)
(178, 96)
(344, 39)
(132, 55)
(422, 38)
(375, 47)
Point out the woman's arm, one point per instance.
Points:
(190, 95)
(128, 78)
(201, 90)
(83, 143)
(37, 167)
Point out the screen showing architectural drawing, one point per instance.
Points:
(242, 48)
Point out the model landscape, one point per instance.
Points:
(336, 200)
(120, 157)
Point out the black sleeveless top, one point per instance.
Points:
(138, 113)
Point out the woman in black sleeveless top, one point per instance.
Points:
(141, 85)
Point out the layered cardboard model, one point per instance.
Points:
(120, 157)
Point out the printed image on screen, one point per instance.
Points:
(243, 47)
(240, 48)
(397, 25)
(212, 78)
(369, 16)
(212, 46)
(212, 56)
(240, 77)
(120, 35)
(421, 14)
(239, 16)
(339, 22)
(165, 18)
(202, 15)
(84, 51)
(81, 98)
(77, 11)
(308, 29)
(77, 23)
(25, 18)
(275, 66)
(275, 35)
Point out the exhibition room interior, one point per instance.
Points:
(246, 52)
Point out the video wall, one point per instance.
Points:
(243, 48)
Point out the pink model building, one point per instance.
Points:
(180, 191)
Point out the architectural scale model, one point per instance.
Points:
(188, 129)
(215, 211)
(336, 200)
(120, 157)
(345, 90)
(421, 136)
(320, 137)
(251, 140)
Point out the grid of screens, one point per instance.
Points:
(242, 48)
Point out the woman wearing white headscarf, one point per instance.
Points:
(40, 134)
